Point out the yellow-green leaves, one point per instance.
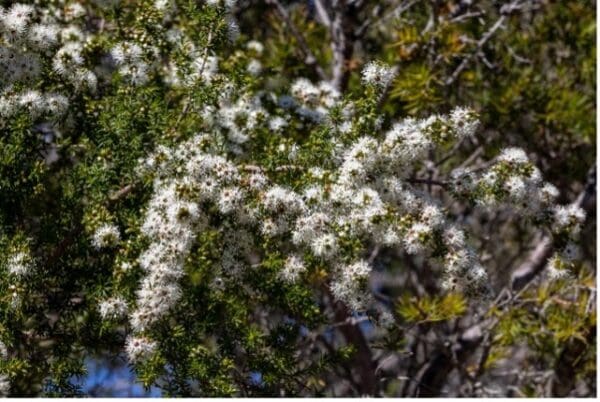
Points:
(431, 308)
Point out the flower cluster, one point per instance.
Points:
(139, 349)
(513, 181)
(131, 60)
(20, 264)
(113, 308)
(362, 198)
(107, 235)
(378, 74)
(312, 102)
(365, 200)
(566, 222)
(32, 43)
(4, 381)
(4, 385)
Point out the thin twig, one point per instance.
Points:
(309, 57)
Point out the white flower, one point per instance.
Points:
(139, 349)
(73, 11)
(513, 155)
(416, 237)
(14, 22)
(549, 193)
(162, 5)
(254, 67)
(293, 268)
(516, 188)
(556, 268)
(570, 217)
(277, 123)
(84, 79)
(126, 53)
(113, 308)
(255, 46)
(325, 246)
(432, 216)
(304, 90)
(71, 33)
(4, 385)
(136, 74)
(357, 270)
(106, 235)
(230, 200)
(378, 74)
(3, 351)
(454, 237)
(33, 101)
(56, 104)
(464, 122)
(281, 200)
(20, 264)
(42, 36)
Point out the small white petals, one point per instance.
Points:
(107, 235)
(378, 74)
(293, 268)
(325, 246)
(20, 264)
(513, 155)
(464, 122)
(139, 349)
(3, 351)
(113, 308)
(4, 385)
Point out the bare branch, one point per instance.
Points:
(480, 43)
(309, 57)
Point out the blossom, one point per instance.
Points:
(513, 155)
(106, 235)
(254, 67)
(569, 217)
(292, 269)
(325, 246)
(113, 308)
(20, 264)
(378, 74)
(255, 46)
(139, 349)
(4, 385)
(516, 187)
(464, 122)
(557, 268)
(3, 351)
(416, 237)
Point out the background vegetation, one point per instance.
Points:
(527, 67)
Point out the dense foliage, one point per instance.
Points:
(349, 198)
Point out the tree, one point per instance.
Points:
(236, 209)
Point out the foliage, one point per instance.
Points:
(243, 209)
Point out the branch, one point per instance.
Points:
(480, 43)
(429, 182)
(542, 252)
(322, 13)
(122, 192)
(309, 57)
(363, 359)
(343, 36)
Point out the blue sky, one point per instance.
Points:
(109, 379)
